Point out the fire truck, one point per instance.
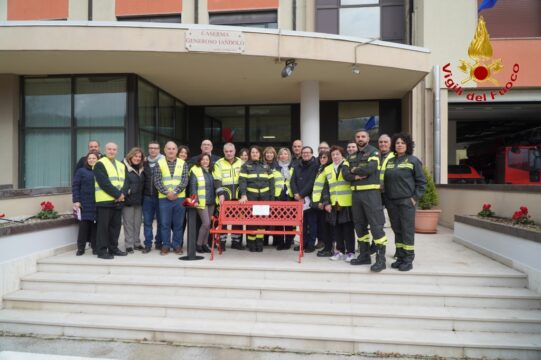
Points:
(516, 164)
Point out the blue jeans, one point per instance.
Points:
(172, 214)
(309, 227)
(151, 210)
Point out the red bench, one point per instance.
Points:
(258, 213)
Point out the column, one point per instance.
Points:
(310, 113)
(103, 10)
(78, 10)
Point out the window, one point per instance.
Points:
(225, 123)
(99, 107)
(502, 20)
(270, 124)
(172, 18)
(260, 19)
(357, 115)
(161, 117)
(376, 19)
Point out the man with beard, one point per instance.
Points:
(363, 173)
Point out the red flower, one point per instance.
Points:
(486, 206)
(47, 206)
(517, 215)
(524, 210)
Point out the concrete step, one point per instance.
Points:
(308, 271)
(290, 290)
(268, 335)
(306, 312)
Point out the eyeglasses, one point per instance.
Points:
(153, 148)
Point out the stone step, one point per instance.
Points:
(290, 290)
(339, 272)
(268, 335)
(369, 315)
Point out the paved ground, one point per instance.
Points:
(134, 351)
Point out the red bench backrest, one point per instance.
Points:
(283, 213)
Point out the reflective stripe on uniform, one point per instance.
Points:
(255, 190)
(366, 187)
(408, 247)
(381, 241)
(365, 238)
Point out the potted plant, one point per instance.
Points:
(426, 218)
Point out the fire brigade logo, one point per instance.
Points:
(483, 68)
(480, 51)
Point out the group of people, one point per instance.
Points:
(344, 192)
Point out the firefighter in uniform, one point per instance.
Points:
(256, 183)
(110, 191)
(363, 173)
(405, 183)
(226, 182)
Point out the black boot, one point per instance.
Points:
(407, 263)
(251, 245)
(259, 245)
(373, 248)
(222, 244)
(380, 259)
(238, 245)
(399, 255)
(364, 256)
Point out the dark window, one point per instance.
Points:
(354, 115)
(378, 19)
(173, 18)
(260, 19)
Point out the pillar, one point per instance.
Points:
(310, 113)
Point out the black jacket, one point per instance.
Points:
(364, 162)
(304, 176)
(149, 188)
(256, 175)
(404, 178)
(136, 183)
(82, 162)
(100, 173)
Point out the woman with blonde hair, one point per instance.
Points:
(132, 212)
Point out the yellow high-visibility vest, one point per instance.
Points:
(201, 192)
(116, 175)
(226, 172)
(171, 181)
(280, 181)
(339, 188)
(384, 166)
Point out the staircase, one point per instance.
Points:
(268, 301)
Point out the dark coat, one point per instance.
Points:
(304, 176)
(136, 183)
(82, 190)
(100, 173)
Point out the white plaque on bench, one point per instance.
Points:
(261, 210)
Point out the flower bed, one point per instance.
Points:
(34, 224)
(502, 226)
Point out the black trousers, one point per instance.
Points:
(324, 231)
(109, 221)
(345, 237)
(367, 209)
(87, 233)
(402, 216)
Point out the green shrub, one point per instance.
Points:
(430, 197)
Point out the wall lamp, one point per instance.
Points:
(288, 68)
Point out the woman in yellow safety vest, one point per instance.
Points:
(282, 192)
(324, 234)
(336, 200)
(202, 185)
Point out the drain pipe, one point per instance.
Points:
(437, 124)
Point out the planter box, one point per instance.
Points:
(14, 228)
(513, 246)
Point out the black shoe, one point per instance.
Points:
(106, 256)
(205, 248)
(287, 246)
(280, 247)
(361, 260)
(397, 264)
(380, 259)
(199, 249)
(405, 267)
(237, 245)
(324, 253)
(146, 250)
(139, 248)
(296, 248)
(222, 244)
(117, 252)
(310, 249)
(80, 252)
(251, 245)
(94, 252)
(129, 250)
(158, 246)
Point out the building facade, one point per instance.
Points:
(131, 71)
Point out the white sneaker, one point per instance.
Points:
(337, 256)
(348, 257)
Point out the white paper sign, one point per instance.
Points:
(215, 41)
(261, 210)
